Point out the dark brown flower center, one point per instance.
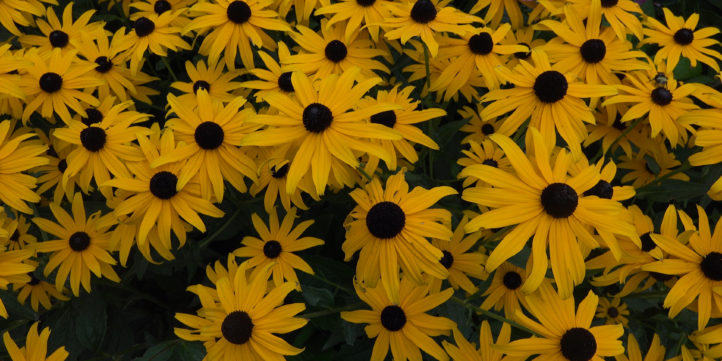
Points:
(550, 86)
(365, 3)
(602, 190)
(559, 200)
(593, 51)
(523, 54)
(93, 138)
(336, 51)
(238, 12)
(423, 11)
(163, 185)
(284, 82)
(393, 318)
(578, 344)
(58, 38)
(317, 117)
(201, 84)
(94, 116)
(209, 135)
(609, 3)
(661, 96)
(481, 44)
(684, 36)
(387, 118)
(272, 249)
(237, 327)
(79, 241)
(161, 6)
(50, 82)
(647, 242)
(280, 172)
(612, 312)
(487, 129)
(143, 26)
(385, 220)
(104, 64)
(512, 280)
(447, 260)
(712, 266)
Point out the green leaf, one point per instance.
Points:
(91, 319)
(317, 297)
(160, 352)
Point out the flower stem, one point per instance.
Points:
(332, 311)
(167, 66)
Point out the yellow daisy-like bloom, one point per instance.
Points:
(485, 153)
(564, 334)
(35, 348)
(525, 37)
(697, 257)
(364, 15)
(320, 120)
(212, 78)
(609, 129)
(466, 351)
(477, 51)
(10, 63)
(15, 268)
(111, 66)
(276, 247)
(707, 137)
(51, 175)
(332, 53)
(620, 14)
(81, 247)
(627, 270)
(40, 292)
(390, 227)
(149, 8)
(68, 35)
(550, 98)
(18, 155)
(156, 33)
(276, 76)
(272, 174)
(613, 312)
(56, 82)
(102, 144)
(155, 198)
(208, 138)
(401, 120)
(478, 128)
(234, 25)
(592, 53)
(679, 38)
(425, 18)
(656, 351)
(17, 236)
(545, 203)
(664, 104)
(20, 12)
(504, 292)
(459, 261)
(402, 325)
(242, 325)
(604, 188)
(642, 174)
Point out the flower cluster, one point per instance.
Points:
(515, 158)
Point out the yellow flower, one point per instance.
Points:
(459, 261)
(68, 35)
(17, 155)
(656, 351)
(35, 348)
(156, 33)
(505, 292)
(402, 325)
(465, 351)
(613, 311)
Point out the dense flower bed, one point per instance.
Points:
(458, 180)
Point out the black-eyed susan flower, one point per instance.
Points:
(656, 351)
(548, 205)
(320, 121)
(102, 144)
(15, 268)
(459, 261)
(108, 54)
(592, 53)
(402, 325)
(149, 8)
(208, 137)
(51, 174)
(364, 15)
(79, 249)
(17, 236)
(565, 334)
(679, 38)
(504, 292)
(610, 129)
(639, 165)
(17, 155)
(275, 77)
(707, 137)
(233, 26)
(697, 258)
(485, 153)
(622, 15)
(426, 19)
(69, 34)
(213, 78)
(613, 312)
(477, 51)
(552, 100)
(272, 173)
(276, 246)
(390, 227)
(402, 120)
(331, 53)
(41, 293)
(664, 104)
(466, 351)
(522, 36)
(20, 12)
(157, 34)
(56, 82)
(10, 63)
(36, 346)
(240, 317)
